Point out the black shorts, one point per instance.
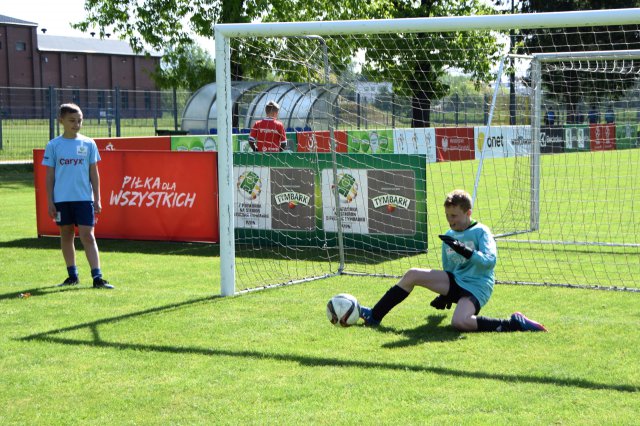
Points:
(456, 293)
(75, 213)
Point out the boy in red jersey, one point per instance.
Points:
(268, 135)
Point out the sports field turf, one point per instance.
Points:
(163, 348)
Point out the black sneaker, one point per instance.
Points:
(100, 283)
(70, 281)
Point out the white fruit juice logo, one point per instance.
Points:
(210, 144)
(374, 142)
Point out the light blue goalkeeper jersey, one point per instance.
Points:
(71, 159)
(475, 274)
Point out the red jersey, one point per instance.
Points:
(268, 134)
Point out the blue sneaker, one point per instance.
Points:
(365, 314)
(525, 323)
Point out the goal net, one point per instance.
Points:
(384, 118)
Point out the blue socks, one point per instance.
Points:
(96, 273)
(72, 271)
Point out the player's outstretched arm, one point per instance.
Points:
(457, 246)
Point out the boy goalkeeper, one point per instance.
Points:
(469, 256)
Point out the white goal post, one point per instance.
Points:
(226, 33)
(537, 62)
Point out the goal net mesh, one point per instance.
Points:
(385, 125)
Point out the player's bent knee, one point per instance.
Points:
(416, 274)
(463, 324)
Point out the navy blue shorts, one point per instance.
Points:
(456, 293)
(75, 213)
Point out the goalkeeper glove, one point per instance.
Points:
(457, 246)
(441, 302)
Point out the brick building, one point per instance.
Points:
(86, 70)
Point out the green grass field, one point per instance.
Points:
(163, 348)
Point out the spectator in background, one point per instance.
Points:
(594, 115)
(549, 118)
(610, 116)
(268, 135)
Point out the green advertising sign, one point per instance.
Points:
(197, 143)
(626, 136)
(241, 142)
(577, 138)
(370, 141)
(290, 199)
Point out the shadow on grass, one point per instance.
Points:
(274, 252)
(53, 336)
(431, 331)
(42, 291)
(121, 246)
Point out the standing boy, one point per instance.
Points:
(73, 192)
(469, 256)
(268, 135)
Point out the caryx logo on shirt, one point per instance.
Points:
(71, 161)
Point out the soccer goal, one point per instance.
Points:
(385, 117)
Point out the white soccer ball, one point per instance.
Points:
(343, 310)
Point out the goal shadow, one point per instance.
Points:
(56, 336)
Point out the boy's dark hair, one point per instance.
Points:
(271, 107)
(68, 109)
(460, 198)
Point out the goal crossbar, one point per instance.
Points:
(434, 24)
(591, 55)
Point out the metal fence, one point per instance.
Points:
(28, 115)
(455, 110)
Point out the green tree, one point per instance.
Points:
(157, 24)
(187, 66)
(568, 85)
(421, 71)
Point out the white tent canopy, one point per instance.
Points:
(302, 105)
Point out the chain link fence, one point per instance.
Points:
(28, 116)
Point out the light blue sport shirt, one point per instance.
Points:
(475, 274)
(71, 159)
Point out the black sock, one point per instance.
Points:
(494, 324)
(391, 298)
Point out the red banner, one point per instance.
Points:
(603, 137)
(142, 143)
(321, 142)
(148, 195)
(455, 143)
